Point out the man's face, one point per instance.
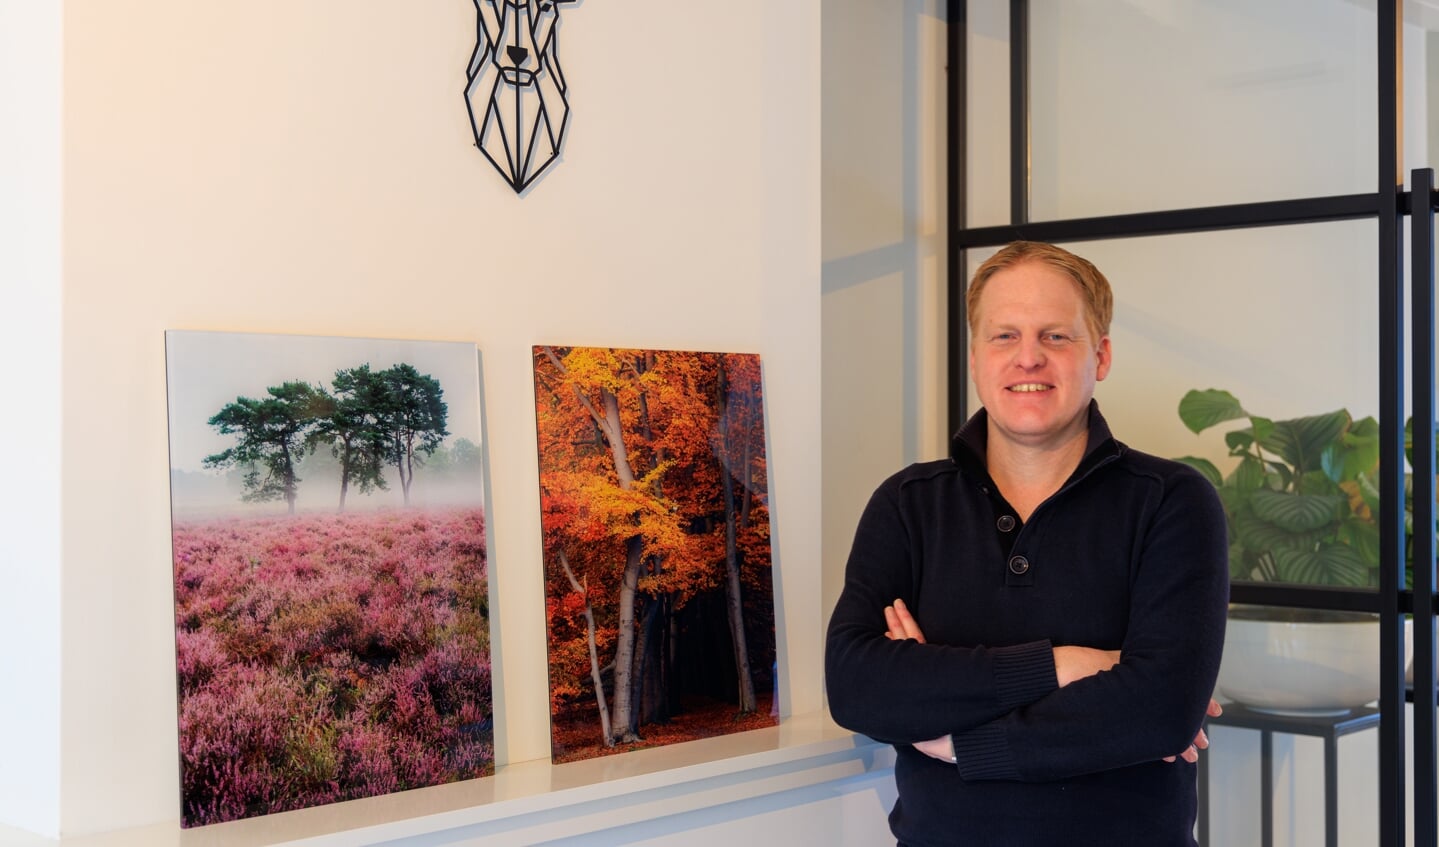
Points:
(1033, 359)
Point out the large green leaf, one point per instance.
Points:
(1248, 475)
(1235, 501)
(1263, 427)
(1202, 409)
(1240, 440)
(1331, 461)
(1364, 432)
(1356, 452)
(1204, 466)
(1369, 490)
(1363, 536)
(1262, 536)
(1281, 473)
(1239, 566)
(1315, 482)
(1301, 441)
(1330, 564)
(1297, 512)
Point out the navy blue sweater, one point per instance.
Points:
(1130, 554)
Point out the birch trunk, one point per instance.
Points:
(594, 653)
(622, 718)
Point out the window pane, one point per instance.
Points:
(986, 188)
(1285, 318)
(1140, 106)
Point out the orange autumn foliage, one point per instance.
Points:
(634, 446)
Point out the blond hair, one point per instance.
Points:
(1093, 287)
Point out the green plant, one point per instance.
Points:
(1302, 500)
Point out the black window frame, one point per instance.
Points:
(1388, 204)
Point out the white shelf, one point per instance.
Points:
(535, 801)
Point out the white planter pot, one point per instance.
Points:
(1302, 661)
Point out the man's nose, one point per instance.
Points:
(1031, 353)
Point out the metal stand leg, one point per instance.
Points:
(1266, 787)
(1202, 777)
(1331, 791)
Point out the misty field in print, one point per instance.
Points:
(655, 514)
(331, 588)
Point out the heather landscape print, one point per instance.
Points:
(655, 513)
(331, 593)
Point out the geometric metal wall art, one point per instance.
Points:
(516, 90)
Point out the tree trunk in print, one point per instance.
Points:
(344, 472)
(672, 640)
(607, 418)
(622, 718)
(407, 467)
(594, 654)
(291, 489)
(642, 655)
(653, 696)
(733, 601)
(611, 424)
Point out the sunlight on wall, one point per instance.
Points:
(30, 344)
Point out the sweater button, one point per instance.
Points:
(1018, 565)
(1005, 523)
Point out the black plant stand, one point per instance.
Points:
(1328, 728)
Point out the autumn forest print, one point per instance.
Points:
(655, 514)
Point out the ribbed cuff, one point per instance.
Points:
(981, 753)
(1024, 673)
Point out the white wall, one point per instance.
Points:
(308, 168)
(30, 73)
(884, 255)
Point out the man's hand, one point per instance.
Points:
(941, 748)
(902, 626)
(1201, 741)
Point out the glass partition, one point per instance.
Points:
(1142, 106)
(1284, 318)
(1291, 312)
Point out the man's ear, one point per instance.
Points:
(1105, 353)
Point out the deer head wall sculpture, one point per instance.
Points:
(516, 91)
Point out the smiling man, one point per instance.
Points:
(1036, 622)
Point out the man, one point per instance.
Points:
(1036, 623)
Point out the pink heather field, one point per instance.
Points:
(330, 657)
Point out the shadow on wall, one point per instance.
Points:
(882, 182)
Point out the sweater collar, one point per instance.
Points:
(970, 442)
